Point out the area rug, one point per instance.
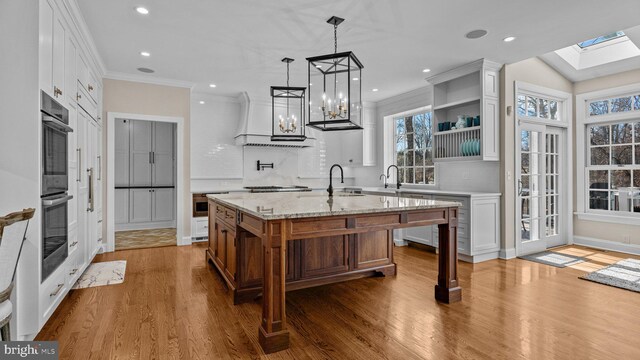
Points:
(553, 258)
(624, 274)
(102, 273)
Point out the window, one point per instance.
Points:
(413, 153)
(538, 107)
(600, 39)
(614, 105)
(613, 165)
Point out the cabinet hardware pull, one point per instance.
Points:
(90, 87)
(74, 243)
(79, 96)
(91, 203)
(150, 158)
(73, 272)
(57, 290)
(99, 167)
(153, 157)
(79, 150)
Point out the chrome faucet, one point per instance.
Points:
(384, 178)
(397, 175)
(330, 189)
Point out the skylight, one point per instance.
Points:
(600, 39)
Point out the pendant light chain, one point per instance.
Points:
(335, 38)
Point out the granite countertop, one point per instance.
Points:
(273, 206)
(393, 190)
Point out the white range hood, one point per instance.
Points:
(254, 128)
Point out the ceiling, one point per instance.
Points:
(238, 44)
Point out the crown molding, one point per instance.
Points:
(197, 96)
(82, 30)
(147, 79)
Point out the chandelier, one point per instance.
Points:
(334, 88)
(286, 102)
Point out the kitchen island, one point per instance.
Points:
(269, 243)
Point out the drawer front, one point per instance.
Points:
(73, 269)
(230, 216)
(52, 293)
(87, 103)
(202, 227)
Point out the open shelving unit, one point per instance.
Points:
(470, 90)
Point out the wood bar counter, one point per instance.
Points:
(269, 243)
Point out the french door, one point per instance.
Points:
(541, 192)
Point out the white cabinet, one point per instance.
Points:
(162, 154)
(139, 205)
(162, 203)
(472, 91)
(121, 206)
(52, 51)
(151, 205)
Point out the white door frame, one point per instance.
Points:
(181, 239)
(566, 116)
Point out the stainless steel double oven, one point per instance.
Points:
(55, 184)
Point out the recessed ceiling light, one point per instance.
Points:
(201, 102)
(146, 70)
(142, 10)
(212, 85)
(374, 90)
(355, 79)
(145, 53)
(426, 70)
(476, 34)
(509, 39)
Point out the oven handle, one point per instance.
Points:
(56, 201)
(56, 123)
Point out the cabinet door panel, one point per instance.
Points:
(213, 228)
(59, 38)
(221, 243)
(163, 204)
(139, 205)
(230, 269)
(121, 152)
(163, 145)
(121, 206)
(372, 249)
(46, 22)
(140, 150)
(71, 75)
(324, 255)
(83, 72)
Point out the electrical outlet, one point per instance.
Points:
(627, 239)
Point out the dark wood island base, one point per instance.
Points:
(267, 257)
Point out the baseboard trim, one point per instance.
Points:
(606, 245)
(507, 254)
(186, 240)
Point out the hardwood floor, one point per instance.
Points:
(140, 239)
(173, 305)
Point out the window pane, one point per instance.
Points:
(421, 133)
(553, 109)
(637, 132)
(599, 107)
(420, 175)
(637, 147)
(428, 156)
(543, 105)
(401, 142)
(521, 105)
(400, 129)
(621, 104)
(531, 106)
(600, 156)
(524, 163)
(599, 135)
(599, 200)
(620, 178)
(599, 179)
(621, 155)
(621, 134)
(525, 185)
(419, 154)
(408, 175)
(636, 102)
(636, 178)
(401, 172)
(400, 158)
(524, 141)
(408, 159)
(429, 175)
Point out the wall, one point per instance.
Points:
(19, 146)
(219, 164)
(463, 176)
(595, 229)
(148, 99)
(532, 71)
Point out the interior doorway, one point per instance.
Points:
(144, 182)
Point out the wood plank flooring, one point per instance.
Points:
(140, 239)
(174, 306)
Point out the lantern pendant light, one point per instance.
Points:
(287, 111)
(335, 88)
